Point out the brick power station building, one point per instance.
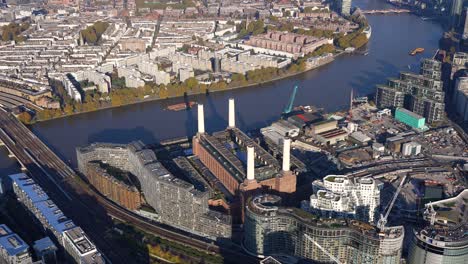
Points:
(240, 163)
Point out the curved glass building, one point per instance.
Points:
(444, 240)
(274, 230)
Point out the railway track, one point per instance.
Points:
(83, 203)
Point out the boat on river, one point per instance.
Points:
(181, 106)
(416, 51)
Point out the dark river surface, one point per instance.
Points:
(393, 37)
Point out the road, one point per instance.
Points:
(84, 205)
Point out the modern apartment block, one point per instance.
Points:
(460, 97)
(51, 218)
(287, 42)
(13, 250)
(271, 229)
(122, 191)
(340, 196)
(420, 93)
(177, 202)
(345, 7)
(444, 239)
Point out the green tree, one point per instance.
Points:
(68, 109)
(191, 83)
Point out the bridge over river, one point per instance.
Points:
(386, 11)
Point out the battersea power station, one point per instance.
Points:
(239, 162)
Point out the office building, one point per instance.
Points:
(444, 238)
(345, 7)
(50, 217)
(341, 196)
(13, 250)
(271, 229)
(419, 93)
(409, 118)
(177, 202)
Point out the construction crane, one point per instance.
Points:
(289, 107)
(383, 217)
(333, 258)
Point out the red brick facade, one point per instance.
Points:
(127, 196)
(286, 42)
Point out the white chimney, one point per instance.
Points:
(250, 163)
(286, 154)
(232, 113)
(201, 119)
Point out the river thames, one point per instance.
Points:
(393, 36)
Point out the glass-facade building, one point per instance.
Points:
(428, 248)
(444, 239)
(274, 230)
(411, 119)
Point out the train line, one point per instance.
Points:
(82, 203)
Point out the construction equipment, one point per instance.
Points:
(383, 217)
(333, 258)
(289, 107)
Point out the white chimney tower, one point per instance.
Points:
(232, 113)
(286, 154)
(201, 119)
(250, 163)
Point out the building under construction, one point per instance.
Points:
(272, 229)
(239, 162)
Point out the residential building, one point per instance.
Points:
(49, 216)
(342, 196)
(121, 190)
(176, 201)
(81, 249)
(271, 229)
(287, 42)
(345, 7)
(13, 250)
(460, 97)
(46, 250)
(465, 26)
(444, 237)
(419, 93)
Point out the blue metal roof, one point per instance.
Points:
(44, 244)
(13, 244)
(54, 216)
(4, 230)
(33, 191)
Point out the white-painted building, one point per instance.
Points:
(411, 148)
(341, 196)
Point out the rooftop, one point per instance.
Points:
(27, 185)
(11, 242)
(54, 216)
(407, 112)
